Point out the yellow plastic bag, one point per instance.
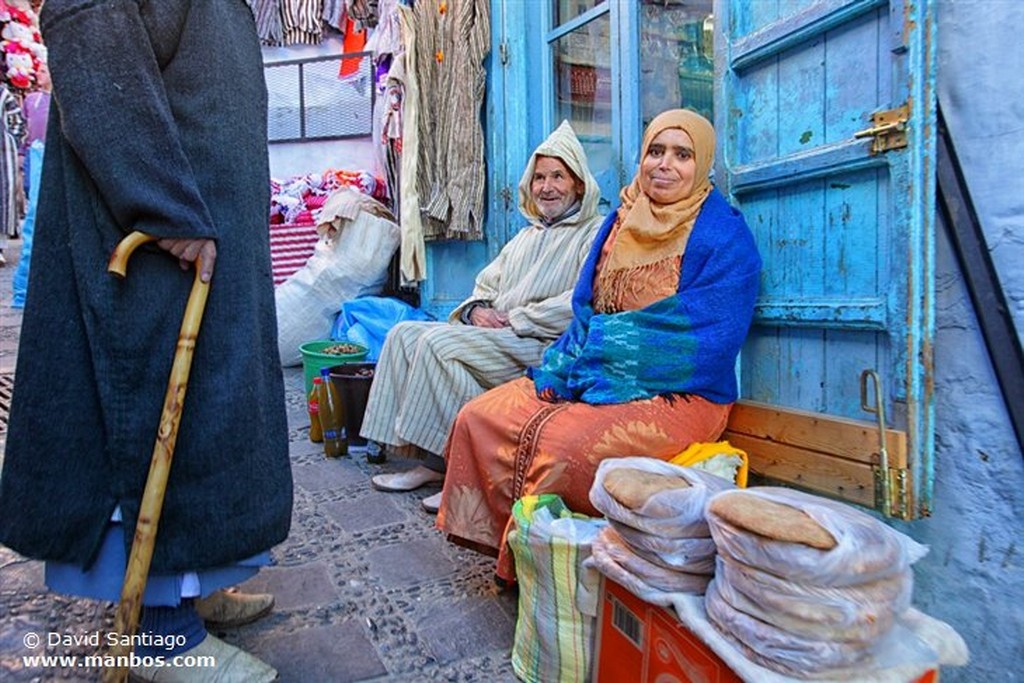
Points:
(700, 452)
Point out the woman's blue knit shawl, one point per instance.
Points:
(683, 344)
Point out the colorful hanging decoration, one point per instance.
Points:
(21, 46)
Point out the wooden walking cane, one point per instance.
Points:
(128, 610)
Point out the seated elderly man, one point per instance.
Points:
(520, 303)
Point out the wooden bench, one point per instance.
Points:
(823, 454)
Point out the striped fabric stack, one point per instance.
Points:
(294, 206)
(291, 245)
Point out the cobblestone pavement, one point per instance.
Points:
(367, 589)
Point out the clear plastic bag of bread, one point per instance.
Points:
(654, 496)
(650, 583)
(780, 650)
(855, 614)
(610, 547)
(806, 538)
(691, 555)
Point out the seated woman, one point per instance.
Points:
(647, 367)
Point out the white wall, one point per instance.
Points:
(293, 158)
(973, 577)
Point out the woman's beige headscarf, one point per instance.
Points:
(561, 144)
(650, 232)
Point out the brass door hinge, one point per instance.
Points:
(895, 490)
(889, 129)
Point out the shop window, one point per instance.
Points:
(564, 11)
(583, 86)
(677, 61)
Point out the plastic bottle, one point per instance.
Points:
(316, 432)
(332, 417)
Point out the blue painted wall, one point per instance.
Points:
(974, 575)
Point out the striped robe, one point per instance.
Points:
(451, 45)
(300, 21)
(428, 370)
(13, 128)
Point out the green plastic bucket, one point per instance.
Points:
(314, 360)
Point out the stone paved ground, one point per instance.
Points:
(367, 589)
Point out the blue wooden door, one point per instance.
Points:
(843, 217)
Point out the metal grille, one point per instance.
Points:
(312, 99)
(6, 391)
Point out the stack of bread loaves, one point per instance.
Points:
(658, 540)
(804, 585)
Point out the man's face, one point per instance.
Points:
(554, 188)
(668, 171)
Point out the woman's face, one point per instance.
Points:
(667, 171)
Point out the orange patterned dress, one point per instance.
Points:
(508, 443)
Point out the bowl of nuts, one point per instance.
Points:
(326, 353)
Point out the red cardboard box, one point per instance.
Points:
(645, 643)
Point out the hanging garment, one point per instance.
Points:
(414, 249)
(300, 20)
(268, 21)
(453, 38)
(13, 128)
(354, 41)
(334, 13)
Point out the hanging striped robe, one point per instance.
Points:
(451, 44)
(300, 20)
(13, 129)
(268, 21)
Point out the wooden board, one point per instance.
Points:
(856, 440)
(813, 451)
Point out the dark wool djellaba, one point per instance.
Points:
(164, 132)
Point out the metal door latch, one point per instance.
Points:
(889, 129)
(883, 483)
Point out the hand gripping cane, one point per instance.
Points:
(127, 617)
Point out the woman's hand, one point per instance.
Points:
(188, 250)
(481, 316)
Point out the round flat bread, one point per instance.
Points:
(632, 488)
(772, 520)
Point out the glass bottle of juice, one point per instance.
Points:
(332, 417)
(316, 432)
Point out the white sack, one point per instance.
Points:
(351, 263)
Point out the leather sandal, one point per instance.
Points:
(229, 608)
